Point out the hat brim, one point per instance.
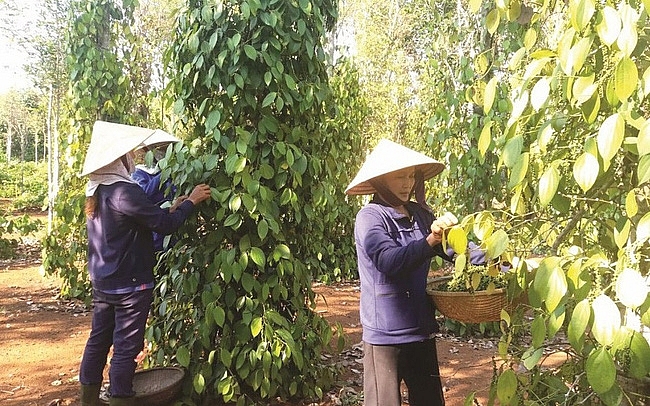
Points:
(388, 157)
(111, 141)
(364, 187)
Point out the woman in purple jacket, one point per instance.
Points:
(120, 221)
(396, 238)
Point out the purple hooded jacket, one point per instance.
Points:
(394, 259)
(120, 242)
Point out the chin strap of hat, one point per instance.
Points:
(389, 197)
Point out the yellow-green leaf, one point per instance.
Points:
(601, 371)
(646, 81)
(626, 77)
(490, 93)
(620, 236)
(547, 187)
(631, 288)
(610, 136)
(512, 150)
(516, 58)
(583, 88)
(609, 26)
(506, 386)
(474, 5)
(607, 320)
(556, 288)
(643, 139)
(530, 38)
(457, 239)
(485, 138)
(578, 323)
(627, 39)
(591, 107)
(540, 93)
(581, 12)
(492, 21)
(256, 326)
(519, 170)
(643, 171)
(585, 171)
(483, 225)
(631, 206)
(496, 244)
(643, 228)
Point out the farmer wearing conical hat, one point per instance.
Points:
(120, 221)
(396, 238)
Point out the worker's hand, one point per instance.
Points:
(177, 202)
(200, 193)
(439, 227)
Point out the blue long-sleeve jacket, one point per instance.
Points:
(394, 259)
(120, 242)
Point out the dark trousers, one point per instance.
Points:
(118, 320)
(385, 366)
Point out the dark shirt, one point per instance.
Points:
(150, 184)
(394, 260)
(120, 242)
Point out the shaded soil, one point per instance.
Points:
(42, 339)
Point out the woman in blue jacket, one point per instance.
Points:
(120, 221)
(396, 238)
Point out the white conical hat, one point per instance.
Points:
(110, 141)
(387, 157)
(159, 138)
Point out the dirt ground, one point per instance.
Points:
(42, 339)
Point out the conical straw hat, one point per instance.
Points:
(110, 141)
(159, 138)
(387, 157)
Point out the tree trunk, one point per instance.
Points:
(9, 140)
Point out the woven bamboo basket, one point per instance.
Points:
(156, 386)
(478, 307)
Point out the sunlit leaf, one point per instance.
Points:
(578, 323)
(585, 171)
(631, 206)
(489, 95)
(540, 93)
(626, 77)
(583, 88)
(609, 26)
(631, 288)
(519, 170)
(485, 139)
(474, 5)
(530, 38)
(591, 107)
(627, 39)
(256, 326)
(548, 184)
(492, 21)
(457, 239)
(643, 171)
(621, 235)
(483, 225)
(643, 228)
(643, 139)
(581, 12)
(516, 58)
(607, 320)
(496, 243)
